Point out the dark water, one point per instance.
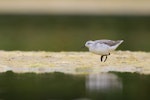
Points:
(59, 86)
(69, 33)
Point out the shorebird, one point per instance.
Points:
(102, 47)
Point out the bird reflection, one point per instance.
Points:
(103, 82)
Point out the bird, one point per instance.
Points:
(102, 47)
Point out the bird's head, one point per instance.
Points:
(89, 43)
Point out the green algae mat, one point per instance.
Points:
(73, 62)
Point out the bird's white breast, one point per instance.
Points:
(100, 49)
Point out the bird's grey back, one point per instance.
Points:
(109, 42)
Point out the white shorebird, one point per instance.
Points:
(102, 47)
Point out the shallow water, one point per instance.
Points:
(59, 86)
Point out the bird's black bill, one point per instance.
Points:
(82, 47)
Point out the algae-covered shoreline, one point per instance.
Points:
(73, 62)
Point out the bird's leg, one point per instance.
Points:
(102, 58)
(105, 58)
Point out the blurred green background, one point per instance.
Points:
(70, 32)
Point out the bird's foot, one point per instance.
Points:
(103, 57)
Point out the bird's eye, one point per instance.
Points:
(88, 43)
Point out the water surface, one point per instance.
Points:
(59, 86)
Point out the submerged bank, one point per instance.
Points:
(73, 62)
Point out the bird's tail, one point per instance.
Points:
(118, 42)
